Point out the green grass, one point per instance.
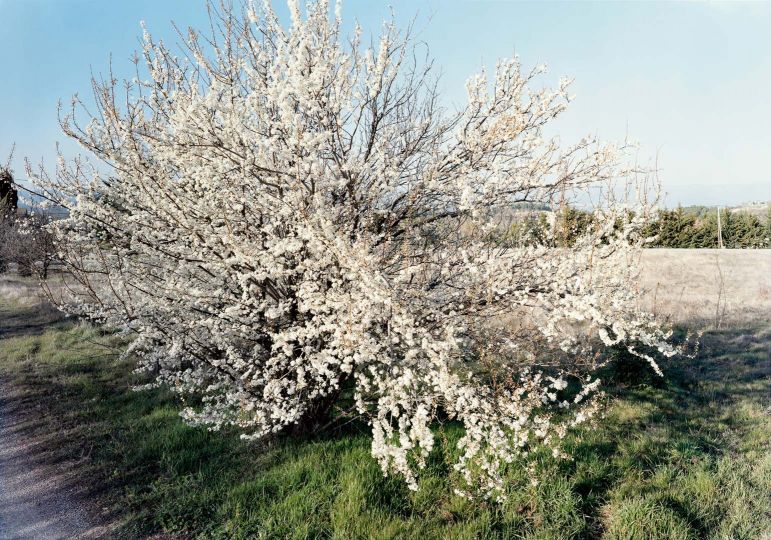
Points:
(686, 459)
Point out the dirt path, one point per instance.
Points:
(42, 494)
(38, 500)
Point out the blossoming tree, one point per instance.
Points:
(284, 214)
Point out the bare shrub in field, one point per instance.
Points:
(289, 213)
(27, 242)
(24, 239)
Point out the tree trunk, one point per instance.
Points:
(319, 414)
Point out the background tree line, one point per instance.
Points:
(695, 227)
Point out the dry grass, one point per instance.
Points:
(19, 290)
(27, 291)
(708, 287)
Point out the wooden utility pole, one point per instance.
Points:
(719, 231)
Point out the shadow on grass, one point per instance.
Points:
(29, 320)
(667, 428)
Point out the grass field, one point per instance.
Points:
(688, 457)
(708, 287)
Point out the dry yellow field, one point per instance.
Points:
(708, 286)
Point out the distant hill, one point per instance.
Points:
(757, 209)
(56, 212)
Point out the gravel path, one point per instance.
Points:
(37, 499)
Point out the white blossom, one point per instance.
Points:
(291, 213)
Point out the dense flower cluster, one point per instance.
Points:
(288, 214)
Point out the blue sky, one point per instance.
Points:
(690, 81)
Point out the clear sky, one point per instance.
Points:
(690, 81)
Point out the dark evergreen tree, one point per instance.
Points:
(674, 229)
(9, 197)
(570, 224)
